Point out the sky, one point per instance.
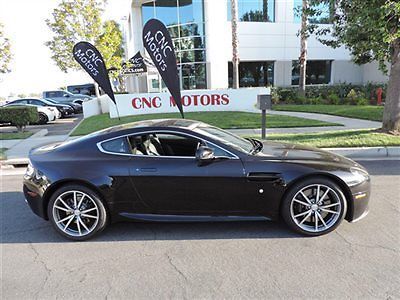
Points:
(32, 69)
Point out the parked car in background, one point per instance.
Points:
(83, 89)
(65, 97)
(75, 106)
(65, 110)
(46, 113)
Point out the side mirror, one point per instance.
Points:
(204, 154)
(67, 95)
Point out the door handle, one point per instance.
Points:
(147, 170)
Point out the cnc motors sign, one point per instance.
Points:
(197, 100)
(158, 43)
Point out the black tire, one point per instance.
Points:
(102, 220)
(337, 196)
(43, 119)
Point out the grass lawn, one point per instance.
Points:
(219, 119)
(336, 139)
(3, 153)
(14, 135)
(367, 112)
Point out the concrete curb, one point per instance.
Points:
(367, 152)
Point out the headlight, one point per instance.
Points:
(30, 171)
(359, 175)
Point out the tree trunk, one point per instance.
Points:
(391, 113)
(303, 49)
(235, 54)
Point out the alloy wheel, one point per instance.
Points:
(75, 213)
(316, 208)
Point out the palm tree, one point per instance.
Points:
(303, 48)
(235, 53)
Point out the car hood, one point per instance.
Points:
(287, 151)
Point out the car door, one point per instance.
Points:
(174, 184)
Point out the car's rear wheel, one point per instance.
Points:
(314, 206)
(43, 119)
(77, 212)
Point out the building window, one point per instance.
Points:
(317, 72)
(253, 74)
(254, 10)
(325, 17)
(185, 22)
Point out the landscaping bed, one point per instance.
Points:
(227, 120)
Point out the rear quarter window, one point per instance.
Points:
(119, 145)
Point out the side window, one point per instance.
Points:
(163, 144)
(169, 144)
(36, 102)
(119, 145)
(51, 94)
(19, 102)
(218, 152)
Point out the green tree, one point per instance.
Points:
(80, 20)
(109, 44)
(5, 52)
(371, 31)
(73, 21)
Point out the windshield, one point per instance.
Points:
(226, 137)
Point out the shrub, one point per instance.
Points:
(287, 95)
(333, 99)
(324, 92)
(362, 101)
(19, 116)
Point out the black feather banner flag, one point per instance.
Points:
(158, 43)
(93, 63)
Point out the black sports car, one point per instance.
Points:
(182, 170)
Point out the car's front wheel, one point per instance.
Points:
(77, 212)
(314, 206)
(43, 119)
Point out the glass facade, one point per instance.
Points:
(317, 72)
(254, 73)
(185, 22)
(324, 18)
(254, 10)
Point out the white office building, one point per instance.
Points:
(268, 45)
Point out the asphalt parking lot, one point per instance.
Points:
(205, 260)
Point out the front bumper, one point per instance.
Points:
(34, 200)
(360, 199)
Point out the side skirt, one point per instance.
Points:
(191, 218)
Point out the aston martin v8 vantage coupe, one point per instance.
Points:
(183, 170)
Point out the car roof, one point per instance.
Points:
(156, 123)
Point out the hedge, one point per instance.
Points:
(19, 116)
(344, 93)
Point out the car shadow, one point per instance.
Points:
(19, 225)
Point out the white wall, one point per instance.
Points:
(194, 100)
(371, 73)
